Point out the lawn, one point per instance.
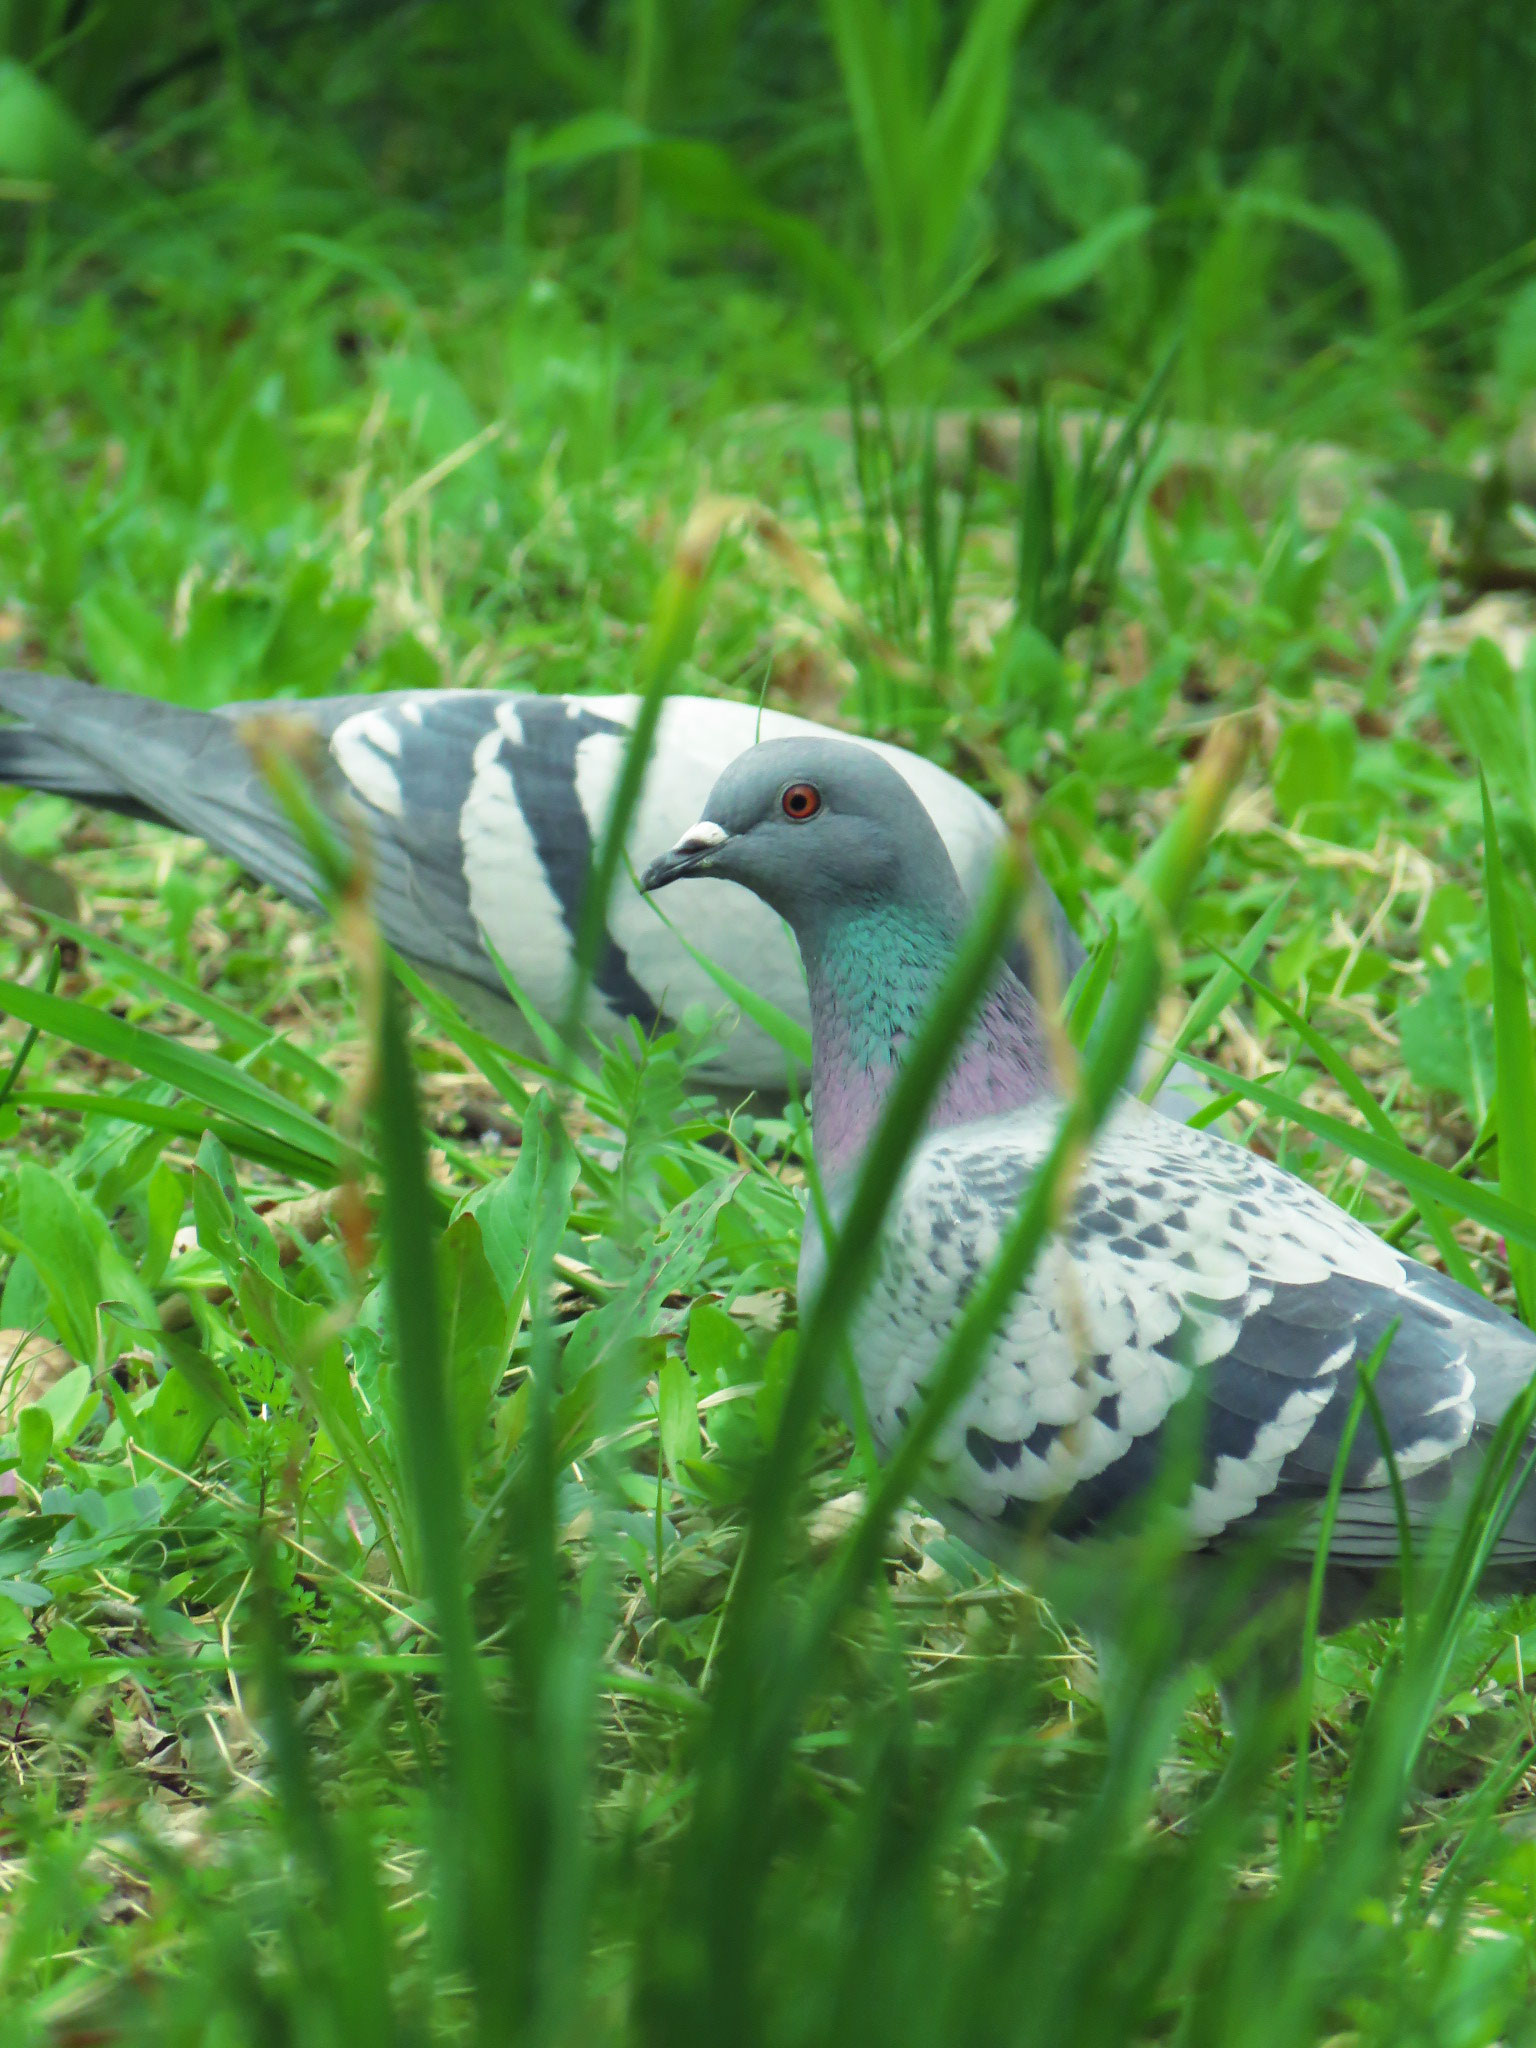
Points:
(435, 1603)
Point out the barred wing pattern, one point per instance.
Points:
(1185, 1260)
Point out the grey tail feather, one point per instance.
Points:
(1502, 1365)
(1501, 1354)
(28, 760)
(188, 769)
(1517, 1539)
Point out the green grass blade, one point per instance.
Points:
(492, 1060)
(14, 1071)
(248, 1033)
(1423, 1179)
(1066, 270)
(197, 1074)
(1302, 1786)
(1090, 985)
(181, 1120)
(1218, 991)
(1515, 1056)
(436, 1488)
(962, 133)
(1333, 1062)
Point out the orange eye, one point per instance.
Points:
(801, 800)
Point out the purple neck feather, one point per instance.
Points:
(872, 975)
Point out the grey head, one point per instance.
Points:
(815, 827)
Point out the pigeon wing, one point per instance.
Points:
(1187, 1267)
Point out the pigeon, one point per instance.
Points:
(482, 809)
(1186, 1265)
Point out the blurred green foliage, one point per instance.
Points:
(1263, 176)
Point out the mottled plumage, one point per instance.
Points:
(1186, 1263)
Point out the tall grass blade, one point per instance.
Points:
(760, 1688)
(1334, 1064)
(1425, 1180)
(199, 1075)
(1515, 1053)
(249, 1033)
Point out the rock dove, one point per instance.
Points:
(1185, 1260)
(483, 808)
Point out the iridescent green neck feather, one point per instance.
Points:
(873, 972)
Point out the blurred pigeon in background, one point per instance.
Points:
(482, 809)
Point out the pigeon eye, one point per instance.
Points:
(801, 800)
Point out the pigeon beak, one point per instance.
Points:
(686, 858)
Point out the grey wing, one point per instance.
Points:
(535, 780)
(1187, 1266)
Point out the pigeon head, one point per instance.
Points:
(817, 828)
(832, 837)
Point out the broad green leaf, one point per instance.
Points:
(227, 1226)
(533, 1200)
(24, 1301)
(313, 632)
(70, 1404)
(34, 1443)
(165, 1199)
(39, 137)
(578, 141)
(1447, 1038)
(477, 1325)
(256, 466)
(717, 1348)
(1057, 276)
(433, 406)
(204, 1374)
(684, 1241)
(127, 640)
(677, 1411)
(51, 1229)
(1314, 766)
(177, 1421)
